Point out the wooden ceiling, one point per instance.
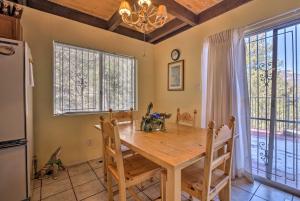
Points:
(183, 14)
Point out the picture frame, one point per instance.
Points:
(176, 76)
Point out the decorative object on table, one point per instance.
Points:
(52, 167)
(175, 54)
(176, 76)
(154, 121)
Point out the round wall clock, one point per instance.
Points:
(175, 54)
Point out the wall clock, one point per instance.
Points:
(175, 54)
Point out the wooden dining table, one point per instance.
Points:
(174, 149)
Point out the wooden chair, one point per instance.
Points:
(215, 178)
(186, 118)
(127, 172)
(122, 116)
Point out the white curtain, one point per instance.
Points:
(225, 92)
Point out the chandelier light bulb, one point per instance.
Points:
(144, 2)
(125, 8)
(162, 11)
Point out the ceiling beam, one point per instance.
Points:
(178, 11)
(166, 29)
(186, 27)
(220, 8)
(185, 18)
(130, 33)
(56, 9)
(114, 21)
(66, 12)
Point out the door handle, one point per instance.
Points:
(7, 51)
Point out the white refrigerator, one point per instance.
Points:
(16, 138)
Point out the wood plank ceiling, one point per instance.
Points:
(183, 14)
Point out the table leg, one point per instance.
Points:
(173, 187)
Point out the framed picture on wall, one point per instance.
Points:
(176, 76)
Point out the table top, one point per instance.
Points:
(177, 147)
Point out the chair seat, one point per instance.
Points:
(193, 176)
(138, 166)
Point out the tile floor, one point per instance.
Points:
(85, 182)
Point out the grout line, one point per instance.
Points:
(71, 184)
(57, 193)
(97, 178)
(41, 189)
(81, 172)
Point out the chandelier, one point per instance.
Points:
(144, 17)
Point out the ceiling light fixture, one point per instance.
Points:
(144, 17)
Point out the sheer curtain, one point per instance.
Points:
(225, 92)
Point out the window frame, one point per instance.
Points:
(101, 52)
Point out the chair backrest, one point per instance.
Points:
(112, 148)
(186, 118)
(122, 116)
(218, 139)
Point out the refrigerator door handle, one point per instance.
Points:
(7, 51)
(10, 144)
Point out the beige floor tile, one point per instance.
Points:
(56, 187)
(99, 172)
(104, 183)
(141, 195)
(246, 185)
(88, 189)
(256, 198)
(36, 183)
(78, 169)
(153, 191)
(61, 176)
(148, 183)
(97, 163)
(64, 196)
(98, 197)
(83, 178)
(36, 194)
(272, 194)
(238, 194)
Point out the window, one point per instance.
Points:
(88, 80)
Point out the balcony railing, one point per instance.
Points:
(286, 160)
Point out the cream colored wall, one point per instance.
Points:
(190, 44)
(73, 132)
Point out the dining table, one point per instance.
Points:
(173, 149)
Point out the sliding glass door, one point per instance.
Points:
(273, 60)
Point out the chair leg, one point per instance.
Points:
(163, 180)
(122, 191)
(225, 193)
(104, 168)
(109, 187)
(133, 194)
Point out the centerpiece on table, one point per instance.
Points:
(154, 121)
